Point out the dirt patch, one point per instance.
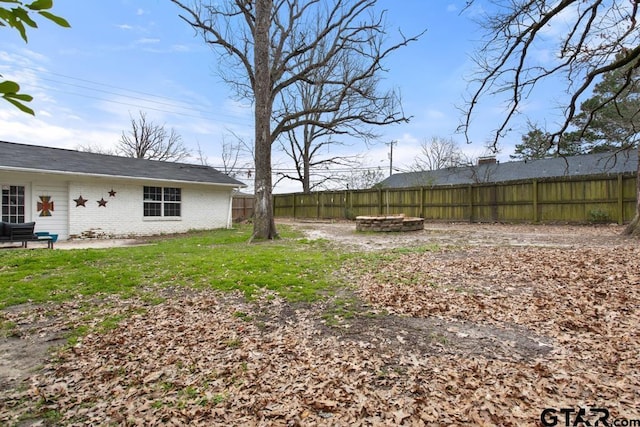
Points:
(432, 336)
(28, 334)
(22, 356)
(464, 234)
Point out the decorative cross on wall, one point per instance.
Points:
(45, 206)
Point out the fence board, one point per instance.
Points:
(332, 204)
(446, 203)
(366, 202)
(242, 207)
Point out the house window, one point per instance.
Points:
(171, 201)
(13, 203)
(162, 201)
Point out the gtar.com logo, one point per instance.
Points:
(583, 417)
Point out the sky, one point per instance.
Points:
(123, 57)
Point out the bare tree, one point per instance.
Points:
(146, 140)
(438, 153)
(201, 156)
(235, 162)
(333, 113)
(312, 169)
(229, 154)
(362, 179)
(233, 156)
(97, 149)
(264, 46)
(593, 37)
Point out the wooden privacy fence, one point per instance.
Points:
(602, 198)
(242, 207)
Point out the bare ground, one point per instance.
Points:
(464, 234)
(496, 309)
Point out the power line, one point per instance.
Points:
(126, 90)
(145, 107)
(159, 100)
(163, 101)
(322, 172)
(171, 104)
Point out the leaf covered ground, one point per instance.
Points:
(466, 334)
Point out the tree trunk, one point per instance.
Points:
(264, 225)
(633, 229)
(306, 168)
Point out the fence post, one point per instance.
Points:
(386, 199)
(318, 205)
(470, 192)
(344, 202)
(294, 205)
(493, 199)
(351, 202)
(535, 200)
(620, 200)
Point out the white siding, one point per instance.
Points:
(59, 220)
(36, 185)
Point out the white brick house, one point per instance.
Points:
(76, 194)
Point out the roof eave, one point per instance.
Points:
(127, 177)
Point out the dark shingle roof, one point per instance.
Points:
(588, 164)
(38, 158)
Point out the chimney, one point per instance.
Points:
(489, 160)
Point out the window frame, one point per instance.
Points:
(161, 202)
(13, 212)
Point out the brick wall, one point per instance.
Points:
(202, 208)
(388, 223)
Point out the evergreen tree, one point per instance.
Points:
(610, 119)
(537, 144)
(508, 65)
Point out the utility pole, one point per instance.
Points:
(391, 144)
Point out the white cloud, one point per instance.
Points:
(179, 48)
(475, 11)
(562, 23)
(435, 114)
(34, 56)
(55, 124)
(147, 40)
(35, 130)
(238, 108)
(408, 139)
(25, 58)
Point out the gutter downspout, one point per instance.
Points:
(230, 212)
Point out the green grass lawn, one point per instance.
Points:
(295, 268)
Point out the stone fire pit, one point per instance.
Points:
(389, 223)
